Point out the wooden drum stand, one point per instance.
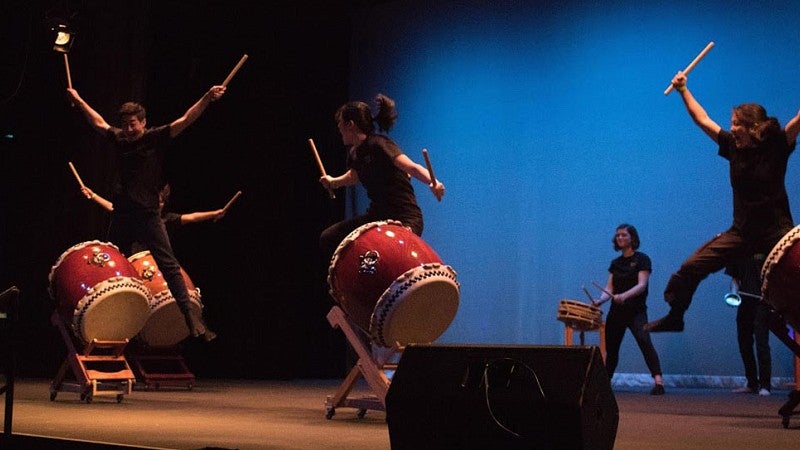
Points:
(370, 366)
(101, 369)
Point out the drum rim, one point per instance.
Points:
(93, 295)
(776, 254)
(63, 256)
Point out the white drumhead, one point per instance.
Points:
(113, 310)
(417, 307)
(166, 325)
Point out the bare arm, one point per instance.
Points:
(107, 205)
(349, 178)
(696, 112)
(792, 129)
(95, 120)
(191, 114)
(202, 216)
(408, 166)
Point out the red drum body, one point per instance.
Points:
(393, 285)
(780, 278)
(98, 292)
(166, 325)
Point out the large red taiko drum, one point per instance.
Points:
(780, 278)
(393, 285)
(98, 293)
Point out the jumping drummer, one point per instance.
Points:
(136, 216)
(381, 167)
(757, 149)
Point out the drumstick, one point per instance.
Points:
(75, 172)
(430, 170)
(66, 65)
(586, 291)
(605, 291)
(692, 64)
(319, 164)
(235, 69)
(230, 202)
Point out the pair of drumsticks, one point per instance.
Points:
(330, 191)
(80, 183)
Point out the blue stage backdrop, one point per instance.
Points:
(548, 125)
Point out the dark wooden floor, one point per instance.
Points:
(291, 415)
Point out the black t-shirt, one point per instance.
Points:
(760, 202)
(625, 275)
(388, 187)
(140, 163)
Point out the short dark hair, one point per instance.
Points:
(132, 109)
(632, 231)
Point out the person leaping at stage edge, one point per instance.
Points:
(136, 213)
(757, 150)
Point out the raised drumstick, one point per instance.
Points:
(430, 170)
(75, 172)
(692, 64)
(319, 164)
(586, 291)
(235, 69)
(69, 77)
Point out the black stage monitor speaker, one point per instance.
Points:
(509, 397)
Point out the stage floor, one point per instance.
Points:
(236, 414)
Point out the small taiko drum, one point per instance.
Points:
(166, 325)
(98, 293)
(580, 316)
(780, 278)
(393, 285)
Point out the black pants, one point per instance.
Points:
(752, 322)
(725, 248)
(617, 321)
(147, 228)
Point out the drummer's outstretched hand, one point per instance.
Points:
(438, 190)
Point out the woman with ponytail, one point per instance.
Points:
(382, 168)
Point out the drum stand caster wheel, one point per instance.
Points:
(330, 412)
(785, 421)
(53, 396)
(87, 398)
(361, 413)
(119, 398)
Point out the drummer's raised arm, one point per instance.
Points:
(792, 129)
(693, 107)
(93, 117)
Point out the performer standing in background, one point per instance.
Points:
(381, 167)
(758, 150)
(752, 320)
(628, 279)
(136, 214)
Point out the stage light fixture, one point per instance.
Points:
(64, 37)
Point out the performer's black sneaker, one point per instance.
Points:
(658, 389)
(670, 322)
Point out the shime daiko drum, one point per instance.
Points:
(393, 285)
(166, 325)
(780, 278)
(98, 292)
(580, 316)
